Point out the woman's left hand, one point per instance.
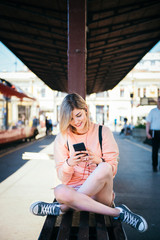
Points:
(92, 158)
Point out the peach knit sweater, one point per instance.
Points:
(76, 175)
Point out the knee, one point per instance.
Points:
(63, 194)
(105, 171)
(59, 192)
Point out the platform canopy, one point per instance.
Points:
(119, 34)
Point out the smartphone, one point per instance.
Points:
(79, 147)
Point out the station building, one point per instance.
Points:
(132, 98)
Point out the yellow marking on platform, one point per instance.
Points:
(141, 146)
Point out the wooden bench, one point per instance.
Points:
(82, 226)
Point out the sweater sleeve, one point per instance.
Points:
(110, 149)
(61, 153)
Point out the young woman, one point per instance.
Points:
(87, 176)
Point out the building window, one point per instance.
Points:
(122, 92)
(107, 112)
(158, 92)
(61, 94)
(139, 92)
(121, 118)
(58, 113)
(100, 114)
(43, 92)
(24, 113)
(100, 94)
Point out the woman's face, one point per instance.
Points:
(79, 120)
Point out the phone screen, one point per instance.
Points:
(79, 147)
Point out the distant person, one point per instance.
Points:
(23, 119)
(129, 129)
(35, 122)
(86, 175)
(115, 123)
(47, 125)
(50, 125)
(125, 120)
(153, 132)
(124, 129)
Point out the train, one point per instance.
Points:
(19, 116)
(22, 133)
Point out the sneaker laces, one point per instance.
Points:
(48, 209)
(130, 219)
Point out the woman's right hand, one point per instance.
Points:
(76, 158)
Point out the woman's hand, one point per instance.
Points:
(91, 158)
(76, 158)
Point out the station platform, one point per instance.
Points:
(28, 174)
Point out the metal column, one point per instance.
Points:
(77, 47)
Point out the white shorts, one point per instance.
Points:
(75, 187)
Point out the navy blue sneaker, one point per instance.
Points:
(132, 219)
(43, 209)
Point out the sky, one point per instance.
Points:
(10, 63)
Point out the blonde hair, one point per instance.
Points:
(70, 102)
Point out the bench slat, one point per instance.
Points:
(115, 230)
(65, 227)
(47, 230)
(82, 226)
(101, 227)
(83, 233)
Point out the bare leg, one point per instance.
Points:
(81, 202)
(92, 196)
(99, 184)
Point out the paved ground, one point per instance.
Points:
(138, 187)
(32, 179)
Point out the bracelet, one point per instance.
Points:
(67, 162)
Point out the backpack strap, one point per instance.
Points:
(100, 136)
(100, 140)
